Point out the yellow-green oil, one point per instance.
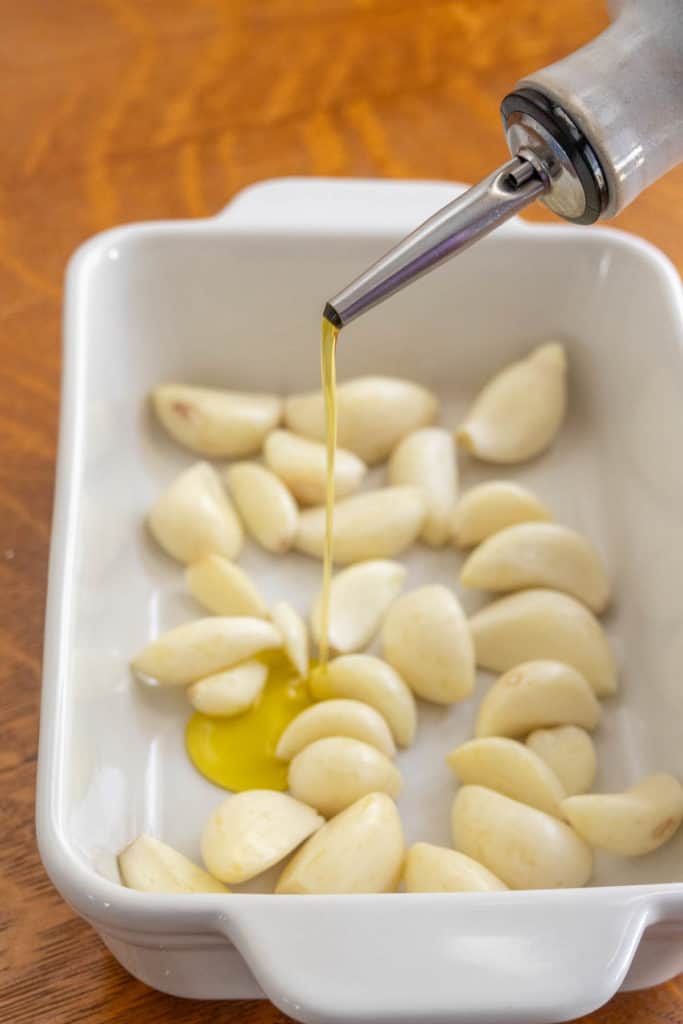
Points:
(328, 371)
(238, 753)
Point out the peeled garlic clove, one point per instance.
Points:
(524, 847)
(374, 413)
(520, 410)
(223, 588)
(294, 635)
(332, 773)
(149, 865)
(249, 832)
(230, 692)
(544, 624)
(534, 695)
(358, 851)
(510, 768)
(376, 524)
(268, 510)
(569, 751)
(302, 465)
(194, 517)
(426, 459)
(368, 679)
(359, 598)
(222, 424)
(630, 823)
(426, 638)
(336, 718)
(539, 555)
(429, 868)
(490, 507)
(200, 648)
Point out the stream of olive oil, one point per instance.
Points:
(238, 753)
(328, 372)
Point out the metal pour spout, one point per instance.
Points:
(458, 225)
(587, 135)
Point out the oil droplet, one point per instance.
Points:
(238, 753)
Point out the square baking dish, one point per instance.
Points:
(236, 300)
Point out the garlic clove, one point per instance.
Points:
(340, 717)
(373, 414)
(490, 507)
(510, 768)
(631, 823)
(149, 865)
(203, 647)
(358, 851)
(426, 459)
(294, 635)
(537, 694)
(543, 624)
(570, 752)
(519, 411)
(230, 692)
(302, 465)
(539, 555)
(224, 588)
(366, 678)
(332, 773)
(249, 832)
(375, 524)
(426, 638)
(359, 598)
(524, 847)
(194, 517)
(217, 423)
(268, 510)
(429, 868)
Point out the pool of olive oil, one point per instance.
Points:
(238, 753)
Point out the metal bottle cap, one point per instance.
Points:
(552, 160)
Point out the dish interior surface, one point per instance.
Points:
(221, 306)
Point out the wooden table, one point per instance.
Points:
(119, 110)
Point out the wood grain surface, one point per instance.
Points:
(119, 110)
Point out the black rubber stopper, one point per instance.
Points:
(568, 135)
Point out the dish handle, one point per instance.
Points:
(338, 205)
(456, 958)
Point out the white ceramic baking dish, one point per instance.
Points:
(236, 300)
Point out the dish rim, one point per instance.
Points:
(103, 902)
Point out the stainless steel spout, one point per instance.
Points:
(587, 135)
(457, 226)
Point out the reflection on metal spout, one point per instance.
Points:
(472, 215)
